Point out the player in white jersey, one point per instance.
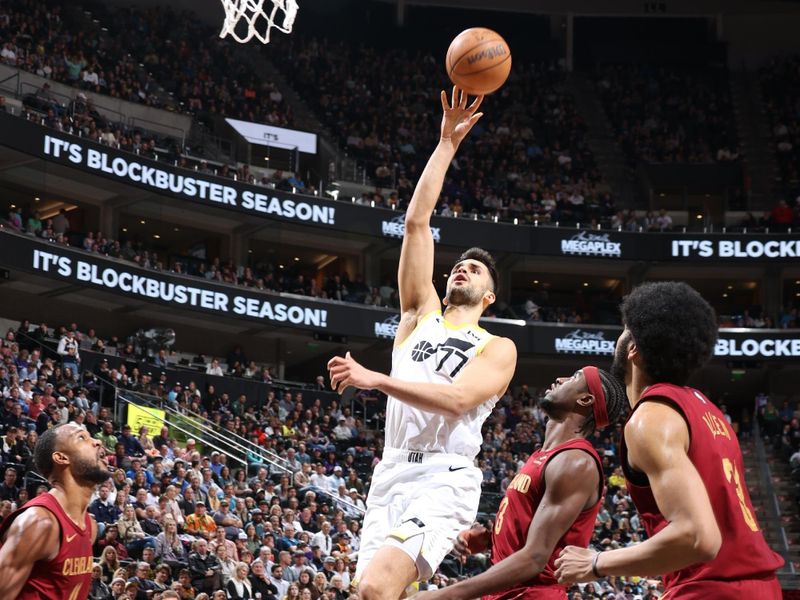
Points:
(447, 373)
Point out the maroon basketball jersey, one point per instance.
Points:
(516, 512)
(69, 575)
(715, 453)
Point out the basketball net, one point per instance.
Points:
(260, 16)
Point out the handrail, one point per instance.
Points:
(769, 490)
(268, 456)
(337, 499)
(201, 424)
(179, 428)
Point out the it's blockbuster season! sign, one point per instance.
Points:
(197, 188)
(93, 271)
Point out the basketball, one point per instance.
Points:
(478, 61)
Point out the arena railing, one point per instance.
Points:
(229, 439)
(773, 505)
(145, 401)
(174, 424)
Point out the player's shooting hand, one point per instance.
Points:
(345, 372)
(458, 118)
(574, 565)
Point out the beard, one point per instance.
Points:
(87, 471)
(464, 296)
(619, 367)
(547, 404)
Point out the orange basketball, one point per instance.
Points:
(478, 61)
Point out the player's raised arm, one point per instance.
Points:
(33, 536)
(572, 483)
(415, 273)
(657, 438)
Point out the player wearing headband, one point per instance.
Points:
(682, 463)
(553, 500)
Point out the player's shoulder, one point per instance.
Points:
(33, 522)
(501, 345)
(570, 466)
(656, 413)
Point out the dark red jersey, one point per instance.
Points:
(69, 575)
(516, 511)
(715, 453)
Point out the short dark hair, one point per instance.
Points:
(616, 402)
(43, 451)
(486, 259)
(673, 327)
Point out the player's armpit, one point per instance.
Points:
(33, 536)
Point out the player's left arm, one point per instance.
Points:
(572, 483)
(488, 374)
(657, 437)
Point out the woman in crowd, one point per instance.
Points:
(147, 442)
(319, 585)
(240, 487)
(131, 533)
(109, 563)
(99, 589)
(252, 543)
(304, 580)
(341, 570)
(169, 548)
(227, 564)
(339, 588)
(238, 587)
(293, 593)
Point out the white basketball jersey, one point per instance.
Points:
(436, 352)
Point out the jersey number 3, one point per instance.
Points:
(501, 513)
(732, 475)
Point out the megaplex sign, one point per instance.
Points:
(585, 243)
(396, 228)
(580, 341)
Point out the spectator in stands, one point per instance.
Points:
(205, 568)
(132, 534)
(664, 220)
(130, 444)
(239, 586)
(199, 523)
(214, 368)
(102, 509)
(260, 582)
(68, 351)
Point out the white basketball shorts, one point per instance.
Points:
(419, 502)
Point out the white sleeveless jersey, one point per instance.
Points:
(436, 352)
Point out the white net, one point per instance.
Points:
(246, 19)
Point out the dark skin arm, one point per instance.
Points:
(658, 442)
(33, 536)
(572, 482)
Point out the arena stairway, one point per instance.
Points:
(754, 132)
(602, 140)
(773, 494)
